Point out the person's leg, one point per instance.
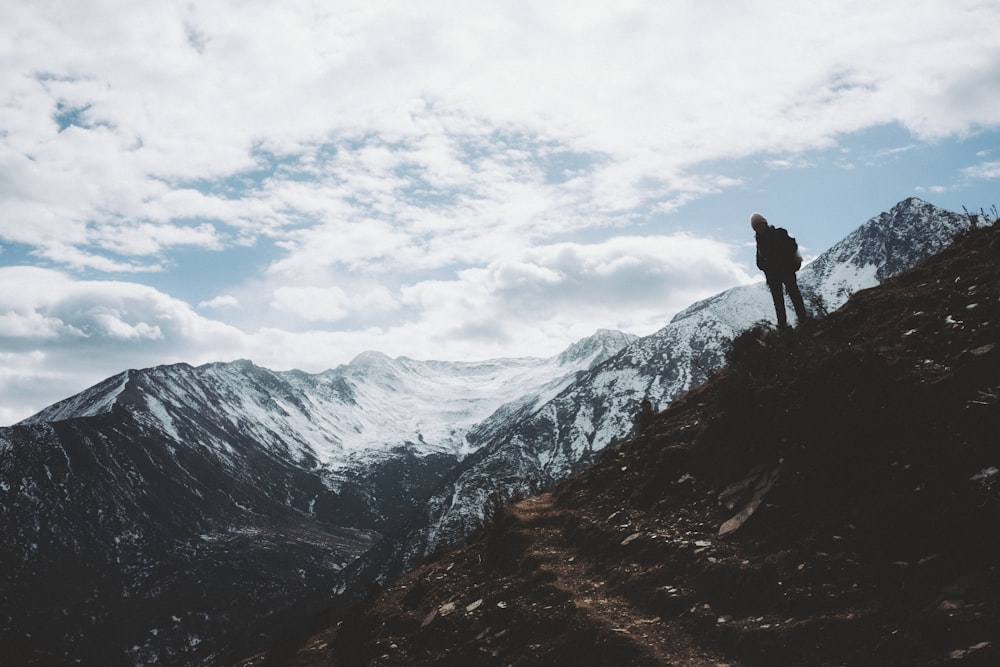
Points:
(792, 285)
(779, 302)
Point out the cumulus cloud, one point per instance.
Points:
(221, 301)
(147, 112)
(320, 304)
(563, 290)
(640, 270)
(423, 178)
(60, 334)
(986, 170)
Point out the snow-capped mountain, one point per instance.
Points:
(564, 435)
(374, 403)
(182, 510)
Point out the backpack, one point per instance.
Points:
(788, 248)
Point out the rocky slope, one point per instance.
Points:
(830, 497)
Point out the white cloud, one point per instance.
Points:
(169, 95)
(457, 179)
(314, 304)
(148, 239)
(986, 170)
(545, 296)
(221, 301)
(60, 335)
(94, 312)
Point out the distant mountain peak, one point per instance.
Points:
(596, 348)
(370, 358)
(96, 400)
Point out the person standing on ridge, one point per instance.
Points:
(778, 257)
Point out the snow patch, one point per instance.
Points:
(163, 419)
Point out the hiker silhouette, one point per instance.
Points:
(778, 257)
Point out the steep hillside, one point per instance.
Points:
(831, 498)
(563, 436)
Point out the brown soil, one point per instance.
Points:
(827, 499)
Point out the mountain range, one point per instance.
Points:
(193, 515)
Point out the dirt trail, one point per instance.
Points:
(664, 641)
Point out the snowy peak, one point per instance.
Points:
(376, 365)
(369, 406)
(595, 349)
(886, 245)
(96, 400)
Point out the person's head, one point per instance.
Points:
(758, 222)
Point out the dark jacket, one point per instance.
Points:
(777, 252)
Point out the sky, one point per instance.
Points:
(297, 182)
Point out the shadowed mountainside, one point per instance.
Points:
(831, 497)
